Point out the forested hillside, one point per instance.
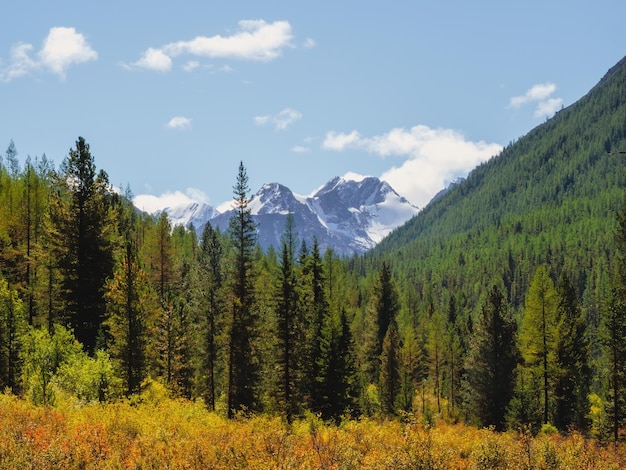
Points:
(503, 303)
(550, 197)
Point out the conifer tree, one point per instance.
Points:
(574, 378)
(12, 327)
(129, 301)
(538, 335)
(390, 378)
(242, 365)
(288, 322)
(614, 332)
(84, 229)
(336, 381)
(491, 362)
(129, 305)
(315, 310)
(413, 368)
(209, 299)
(382, 310)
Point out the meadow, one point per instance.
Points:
(163, 433)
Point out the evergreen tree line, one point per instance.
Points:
(98, 299)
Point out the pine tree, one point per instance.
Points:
(209, 299)
(491, 362)
(336, 381)
(390, 374)
(12, 327)
(315, 311)
(614, 332)
(242, 365)
(129, 301)
(129, 304)
(382, 310)
(81, 219)
(414, 369)
(288, 322)
(574, 379)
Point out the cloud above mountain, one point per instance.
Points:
(62, 48)
(255, 40)
(432, 157)
(539, 94)
(150, 203)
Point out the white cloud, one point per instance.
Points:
(339, 141)
(300, 149)
(281, 121)
(548, 107)
(539, 93)
(155, 59)
(310, 43)
(179, 122)
(62, 48)
(255, 40)
(191, 65)
(151, 204)
(21, 63)
(433, 157)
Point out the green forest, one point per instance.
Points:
(502, 303)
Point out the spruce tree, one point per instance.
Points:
(315, 310)
(209, 299)
(288, 322)
(574, 378)
(390, 372)
(84, 229)
(383, 309)
(129, 301)
(336, 381)
(614, 332)
(491, 361)
(243, 369)
(12, 328)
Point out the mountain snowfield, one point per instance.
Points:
(349, 214)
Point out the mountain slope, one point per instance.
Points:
(550, 197)
(349, 214)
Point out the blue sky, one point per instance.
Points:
(172, 95)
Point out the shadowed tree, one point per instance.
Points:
(243, 370)
(209, 298)
(81, 218)
(491, 362)
(574, 379)
(288, 322)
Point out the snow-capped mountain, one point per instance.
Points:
(349, 214)
(194, 213)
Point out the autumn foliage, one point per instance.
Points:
(158, 432)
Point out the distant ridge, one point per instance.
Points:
(349, 214)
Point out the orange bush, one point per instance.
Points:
(178, 434)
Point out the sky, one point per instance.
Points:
(172, 96)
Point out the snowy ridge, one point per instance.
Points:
(349, 214)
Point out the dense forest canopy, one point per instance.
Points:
(502, 303)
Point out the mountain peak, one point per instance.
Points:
(613, 70)
(349, 214)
